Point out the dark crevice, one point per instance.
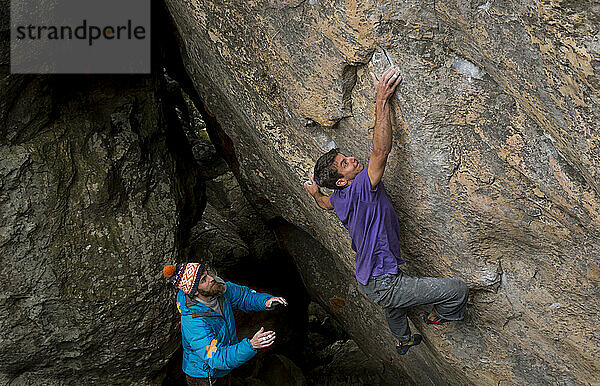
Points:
(218, 137)
(168, 49)
(190, 186)
(348, 83)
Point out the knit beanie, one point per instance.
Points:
(185, 276)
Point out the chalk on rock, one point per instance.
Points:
(467, 68)
(324, 141)
(381, 61)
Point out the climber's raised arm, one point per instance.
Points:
(382, 134)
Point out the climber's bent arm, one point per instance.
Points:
(322, 200)
(313, 189)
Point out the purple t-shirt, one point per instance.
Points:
(373, 225)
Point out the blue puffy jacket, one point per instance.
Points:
(210, 343)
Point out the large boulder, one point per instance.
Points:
(90, 216)
(493, 171)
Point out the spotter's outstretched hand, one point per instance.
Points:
(262, 339)
(272, 302)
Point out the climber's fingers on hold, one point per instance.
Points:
(375, 80)
(388, 74)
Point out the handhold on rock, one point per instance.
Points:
(337, 303)
(467, 68)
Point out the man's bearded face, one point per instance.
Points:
(216, 289)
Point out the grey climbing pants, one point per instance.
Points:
(396, 292)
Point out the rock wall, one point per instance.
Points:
(493, 171)
(103, 181)
(89, 216)
(90, 198)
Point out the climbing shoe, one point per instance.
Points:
(429, 321)
(415, 339)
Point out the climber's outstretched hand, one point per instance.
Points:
(386, 85)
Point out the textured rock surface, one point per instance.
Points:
(346, 364)
(493, 172)
(335, 359)
(89, 217)
(230, 231)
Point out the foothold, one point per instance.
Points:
(337, 303)
(488, 276)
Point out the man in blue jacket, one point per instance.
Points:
(211, 348)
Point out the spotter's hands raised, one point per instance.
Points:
(272, 302)
(262, 339)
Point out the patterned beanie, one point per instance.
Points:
(184, 276)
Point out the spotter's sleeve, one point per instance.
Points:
(204, 342)
(246, 299)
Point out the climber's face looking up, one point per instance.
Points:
(348, 167)
(334, 170)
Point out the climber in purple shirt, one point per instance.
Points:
(362, 205)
